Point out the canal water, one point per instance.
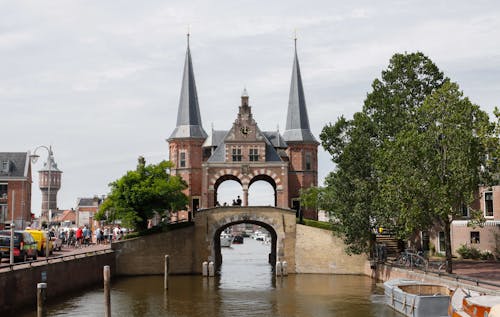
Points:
(246, 287)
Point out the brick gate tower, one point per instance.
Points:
(188, 136)
(244, 153)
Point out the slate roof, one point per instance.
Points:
(88, 202)
(189, 123)
(17, 167)
(217, 139)
(276, 139)
(297, 122)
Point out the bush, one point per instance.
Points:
(316, 224)
(467, 252)
(486, 255)
(162, 227)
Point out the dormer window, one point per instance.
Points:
(5, 168)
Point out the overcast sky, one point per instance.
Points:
(100, 80)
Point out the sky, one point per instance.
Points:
(99, 81)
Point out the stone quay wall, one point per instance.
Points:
(18, 287)
(385, 272)
(319, 251)
(146, 255)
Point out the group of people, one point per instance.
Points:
(82, 236)
(236, 202)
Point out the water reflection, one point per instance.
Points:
(246, 287)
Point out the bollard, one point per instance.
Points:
(41, 298)
(284, 268)
(107, 292)
(167, 269)
(211, 269)
(204, 268)
(278, 268)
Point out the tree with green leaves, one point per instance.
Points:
(137, 195)
(353, 188)
(410, 159)
(437, 163)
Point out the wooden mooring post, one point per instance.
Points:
(41, 298)
(167, 268)
(107, 291)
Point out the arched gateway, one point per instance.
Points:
(244, 153)
(280, 223)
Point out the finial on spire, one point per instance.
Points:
(188, 34)
(245, 92)
(295, 38)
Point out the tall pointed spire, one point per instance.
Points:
(188, 116)
(297, 122)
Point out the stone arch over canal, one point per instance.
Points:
(281, 224)
(306, 249)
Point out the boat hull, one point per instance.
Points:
(416, 299)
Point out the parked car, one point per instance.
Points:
(41, 241)
(24, 245)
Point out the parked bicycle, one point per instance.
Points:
(410, 259)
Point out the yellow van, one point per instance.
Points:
(41, 239)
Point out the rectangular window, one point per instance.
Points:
(296, 206)
(182, 159)
(236, 154)
(253, 155)
(3, 214)
(474, 237)
(488, 204)
(3, 191)
(442, 244)
(465, 211)
(308, 162)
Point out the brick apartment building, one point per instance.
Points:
(244, 153)
(464, 231)
(15, 189)
(86, 208)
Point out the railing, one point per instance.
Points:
(413, 261)
(54, 259)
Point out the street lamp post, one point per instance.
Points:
(50, 160)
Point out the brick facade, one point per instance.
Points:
(15, 178)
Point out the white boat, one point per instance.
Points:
(467, 303)
(259, 236)
(226, 239)
(417, 299)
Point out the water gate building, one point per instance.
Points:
(244, 153)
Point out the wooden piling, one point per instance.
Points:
(107, 291)
(41, 298)
(167, 268)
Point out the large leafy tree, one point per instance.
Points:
(138, 194)
(410, 159)
(437, 163)
(353, 189)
